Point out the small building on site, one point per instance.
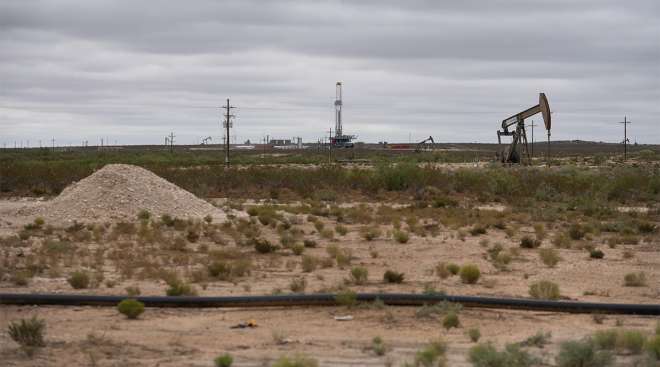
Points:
(280, 141)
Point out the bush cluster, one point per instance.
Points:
(131, 308)
(544, 290)
(469, 274)
(28, 333)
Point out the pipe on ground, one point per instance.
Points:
(392, 299)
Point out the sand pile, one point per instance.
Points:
(121, 191)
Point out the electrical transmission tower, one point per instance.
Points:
(226, 125)
(625, 123)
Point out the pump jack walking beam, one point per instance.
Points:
(519, 136)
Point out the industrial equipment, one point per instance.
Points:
(206, 140)
(340, 140)
(511, 154)
(425, 145)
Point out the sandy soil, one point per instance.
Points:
(101, 336)
(78, 336)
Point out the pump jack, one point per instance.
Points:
(424, 144)
(510, 154)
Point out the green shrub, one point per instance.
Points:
(429, 355)
(224, 360)
(359, 275)
(378, 346)
(327, 234)
(309, 243)
(544, 290)
(391, 276)
(450, 320)
(596, 254)
(341, 230)
(263, 246)
(39, 222)
(549, 257)
(605, 339)
(576, 232)
(144, 215)
(346, 298)
(79, 279)
(298, 285)
(442, 271)
(219, 269)
(131, 308)
(653, 347)
(266, 218)
(299, 360)
(370, 233)
(286, 240)
(561, 240)
(453, 268)
(192, 235)
(529, 242)
(474, 334)
(298, 249)
(635, 279)
(132, 291)
(477, 229)
(309, 263)
(21, 278)
(401, 236)
(28, 333)
(177, 287)
(253, 211)
(341, 256)
(631, 341)
(469, 274)
(167, 220)
(502, 260)
(582, 354)
(642, 227)
(486, 355)
(442, 201)
(539, 340)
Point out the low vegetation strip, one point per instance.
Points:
(565, 184)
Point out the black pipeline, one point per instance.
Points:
(391, 299)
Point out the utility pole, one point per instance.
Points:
(53, 140)
(625, 123)
(532, 126)
(171, 140)
(227, 124)
(330, 146)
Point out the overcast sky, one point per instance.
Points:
(133, 71)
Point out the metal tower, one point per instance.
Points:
(340, 140)
(338, 103)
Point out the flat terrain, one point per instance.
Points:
(602, 246)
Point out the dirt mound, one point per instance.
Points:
(121, 191)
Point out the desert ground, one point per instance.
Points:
(125, 231)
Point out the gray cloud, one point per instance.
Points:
(133, 71)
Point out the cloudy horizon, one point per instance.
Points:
(132, 72)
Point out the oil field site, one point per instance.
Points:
(446, 204)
